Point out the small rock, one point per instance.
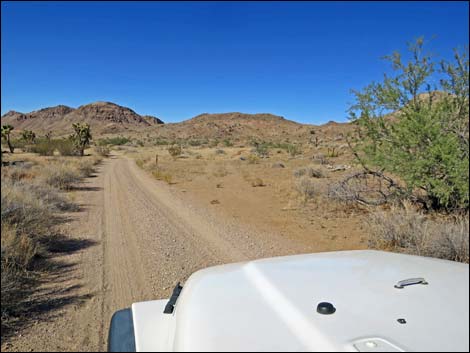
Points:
(243, 158)
(257, 182)
(278, 165)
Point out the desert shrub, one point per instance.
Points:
(17, 254)
(18, 249)
(253, 159)
(320, 159)
(96, 159)
(195, 143)
(425, 142)
(19, 172)
(20, 143)
(310, 172)
(175, 150)
(138, 143)
(161, 142)
(22, 208)
(409, 231)
(315, 173)
(366, 188)
(140, 162)
(28, 217)
(115, 141)
(294, 150)
(66, 147)
(261, 150)
(62, 176)
(213, 143)
(160, 175)
(85, 168)
(333, 152)
(219, 151)
(102, 151)
(44, 148)
(300, 172)
(227, 143)
(306, 188)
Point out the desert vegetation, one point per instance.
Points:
(412, 138)
(6, 132)
(33, 202)
(425, 141)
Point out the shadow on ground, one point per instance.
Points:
(41, 294)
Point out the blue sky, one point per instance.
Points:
(177, 60)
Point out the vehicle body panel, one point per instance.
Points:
(271, 305)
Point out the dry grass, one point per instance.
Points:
(62, 176)
(160, 175)
(102, 151)
(310, 172)
(407, 230)
(306, 188)
(31, 204)
(147, 163)
(65, 173)
(253, 159)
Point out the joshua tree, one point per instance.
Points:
(28, 136)
(6, 130)
(81, 136)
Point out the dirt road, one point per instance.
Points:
(142, 237)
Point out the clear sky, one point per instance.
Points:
(177, 60)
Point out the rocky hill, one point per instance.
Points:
(107, 118)
(234, 126)
(103, 117)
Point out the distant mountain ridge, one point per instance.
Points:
(103, 117)
(106, 118)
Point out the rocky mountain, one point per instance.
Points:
(232, 126)
(103, 117)
(107, 118)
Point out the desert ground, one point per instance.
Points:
(141, 228)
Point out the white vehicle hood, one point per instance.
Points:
(271, 305)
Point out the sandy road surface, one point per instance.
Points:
(144, 236)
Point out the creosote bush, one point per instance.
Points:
(425, 142)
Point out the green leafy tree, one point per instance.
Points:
(415, 125)
(6, 131)
(81, 137)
